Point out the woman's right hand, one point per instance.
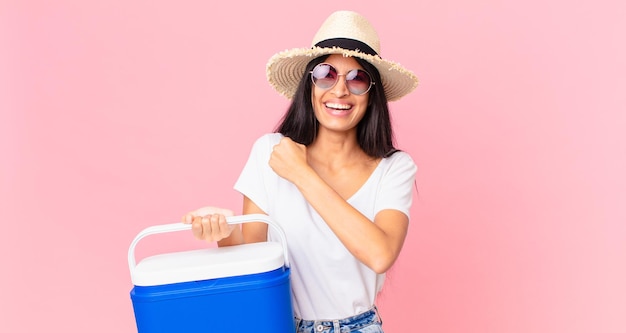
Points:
(209, 223)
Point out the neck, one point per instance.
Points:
(333, 148)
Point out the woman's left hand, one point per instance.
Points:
(289, 160)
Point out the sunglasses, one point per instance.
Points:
(325, 76)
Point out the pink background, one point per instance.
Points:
(118, 115)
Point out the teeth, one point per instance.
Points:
(338, 106)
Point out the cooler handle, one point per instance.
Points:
(173, 227)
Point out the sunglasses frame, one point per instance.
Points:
(346, 80)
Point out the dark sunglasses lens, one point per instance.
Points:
(324, 76)
(358, 81)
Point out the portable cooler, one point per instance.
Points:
(242, 288)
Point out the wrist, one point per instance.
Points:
(305, 177)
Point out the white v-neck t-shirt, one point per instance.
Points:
(327, 281)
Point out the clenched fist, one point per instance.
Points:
(289, 159)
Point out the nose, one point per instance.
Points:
(340, 88)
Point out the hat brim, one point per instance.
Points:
(285, 69)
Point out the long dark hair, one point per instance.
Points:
(374, 132)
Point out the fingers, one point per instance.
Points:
(211, 228)
(209, 223)
(289, 160)
(187, 218)
(196, 227)
(223, 227)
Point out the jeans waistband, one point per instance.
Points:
(356, 322)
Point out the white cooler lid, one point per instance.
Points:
(205, 264)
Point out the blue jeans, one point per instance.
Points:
(366, 322)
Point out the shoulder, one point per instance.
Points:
(400, 159)
(267, 141)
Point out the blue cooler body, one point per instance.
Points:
(243, 288)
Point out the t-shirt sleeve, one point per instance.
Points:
(396, 187)
(252, 181)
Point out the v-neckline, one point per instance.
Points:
(367, 181)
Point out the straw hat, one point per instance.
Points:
(347, 33)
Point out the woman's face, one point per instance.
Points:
(337, 109)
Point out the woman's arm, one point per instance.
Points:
(253, 232)
(377, 244)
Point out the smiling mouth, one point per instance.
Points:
(339, 107)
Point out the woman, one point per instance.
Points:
(330, 177)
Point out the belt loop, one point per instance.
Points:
(336, 326)
(298, 321)
(375, 308)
